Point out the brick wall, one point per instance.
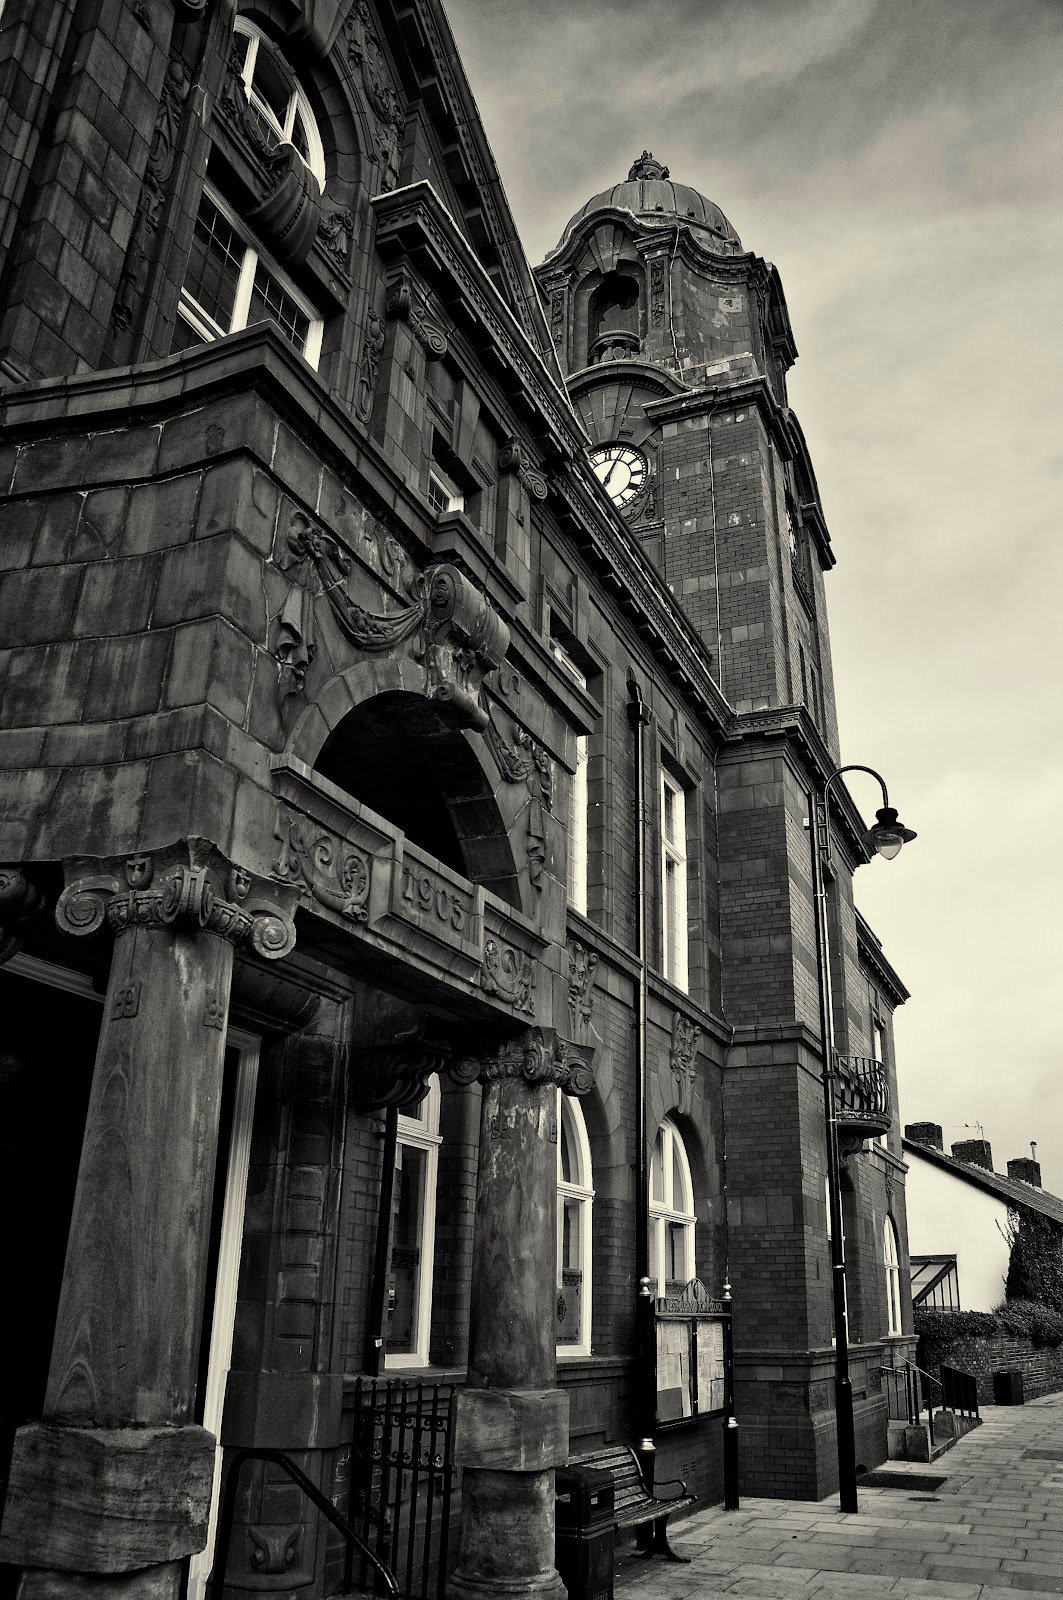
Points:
(1042, 1369)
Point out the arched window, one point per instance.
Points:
(231, 283)
(278, 104)
(413, 1228)
(891, 1262)
(575, 1195)
(671, 1210)
(613, 319)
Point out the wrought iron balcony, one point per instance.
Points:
(861, 1099)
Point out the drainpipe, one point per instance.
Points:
(638, 716)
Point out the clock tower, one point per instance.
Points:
(675, 342)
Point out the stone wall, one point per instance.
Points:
(1042, 1369)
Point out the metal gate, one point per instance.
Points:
(401, 1479)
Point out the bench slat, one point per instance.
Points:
(633, 1503)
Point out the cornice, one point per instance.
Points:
(869, 948)
(793, 725)
(723, 396)
(646, 236)
(649, 373)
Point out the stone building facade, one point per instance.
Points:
(415, 680)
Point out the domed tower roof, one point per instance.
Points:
(650, 195)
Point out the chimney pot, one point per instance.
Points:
(976, 1152)
(925, 1133)
(1027, 1170)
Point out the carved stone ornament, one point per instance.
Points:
(188, 886)
(396, 1073)
(657, 289)
(22, 904)
(582, 965)
(538, 1055)
(685, 1036)
(510, 974)
(366, 57)
(525, 761)
(557, 316)
(513, 457)
(372, 347)
(161, 156)
(272, 1551)
(452, 629)
(336, 230)
(407, 302)
(289, 213)
(293, 643)
(336, 874)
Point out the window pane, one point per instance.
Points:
(299, 137)
(271, 85)
(214, 264)
(270, 303)
(184, 336)
(406, 1248)
(657, 1170)
(569, 1170)
(671, 917)
(676, 1264)
(679, 1194)
(570, 1235)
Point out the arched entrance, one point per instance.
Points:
(397, 754)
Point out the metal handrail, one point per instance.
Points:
(316, 1498)
(867, 1077)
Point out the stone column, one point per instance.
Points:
(511, 1427)
(111, 1490)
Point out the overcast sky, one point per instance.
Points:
(901, 162)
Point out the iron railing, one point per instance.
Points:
(910, 1392)
(402, 1477)
(959, 1391)
(384, 1578)
(862, 1089)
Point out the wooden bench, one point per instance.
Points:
(635, 1505)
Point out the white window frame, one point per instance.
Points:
(580, 1191)
(421, 1133)
(670, 1210)
(447, 490)
(209, 329)
(578, 797)
(298, 105)
(892, 1266)
(675, 957)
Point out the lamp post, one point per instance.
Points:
(886, 838)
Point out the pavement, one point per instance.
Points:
(994, 1527)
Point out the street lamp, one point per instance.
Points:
(885, 838)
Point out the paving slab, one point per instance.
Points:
(993, 1528)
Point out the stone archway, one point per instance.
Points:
(399, 754)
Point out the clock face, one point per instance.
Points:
(621, 470)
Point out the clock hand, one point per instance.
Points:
(612, 468)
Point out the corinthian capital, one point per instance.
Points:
(187, 886)
(538, 1055)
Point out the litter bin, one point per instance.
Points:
(585, 1536)
(1007, 1389)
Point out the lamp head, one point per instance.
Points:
(888, 834)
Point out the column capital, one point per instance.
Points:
(538, 1055)
(187, 886)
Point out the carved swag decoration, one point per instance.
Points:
(449, 626)
(188, 886)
